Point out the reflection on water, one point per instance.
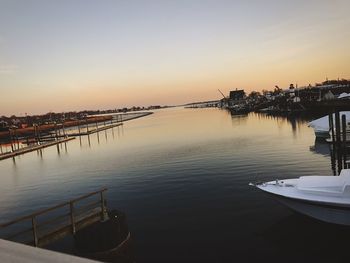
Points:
(321, 147)
(181, 176)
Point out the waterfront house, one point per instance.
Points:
(237, 95)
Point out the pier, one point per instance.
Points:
(96, 130)
(84, 133)
(54, 134)
(33, 148)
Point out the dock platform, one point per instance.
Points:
(33, 148)
(95, 130)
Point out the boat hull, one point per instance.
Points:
(322, 134)
(339, 215)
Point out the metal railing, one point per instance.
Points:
(63, 224)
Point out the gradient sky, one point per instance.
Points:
(73, 55)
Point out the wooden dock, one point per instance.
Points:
(95, 130)
(53, 223)
(33, 148)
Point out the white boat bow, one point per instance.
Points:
(326, 198)
(321, 125)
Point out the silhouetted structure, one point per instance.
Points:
(237, 95)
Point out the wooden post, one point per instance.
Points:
(337, 126)
(16, 137)
(63, 130)
(35, 236)
(338, 141)
(11, 137)
(343, 119)
(79, 127)
(72, 217)
(34, 130)
(1, 148)
(87, 127)
(56, 131)
(333, 148)
(38, 132)
(331, 125)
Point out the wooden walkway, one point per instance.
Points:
(53, 223)
(95, 130)
(33, 148)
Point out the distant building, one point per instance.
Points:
(237, 95)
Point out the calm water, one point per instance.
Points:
(181, 176)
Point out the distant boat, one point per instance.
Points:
(321, 125)
(326, 198)
(344, 95)
(239, 109)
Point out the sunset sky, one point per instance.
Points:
(74, 55)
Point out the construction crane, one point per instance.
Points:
(222, 94)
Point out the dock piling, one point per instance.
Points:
(343, 119)
(338, 141)
(79, 127)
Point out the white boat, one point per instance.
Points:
(321, 125)
(326, 198)
(344, 95)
